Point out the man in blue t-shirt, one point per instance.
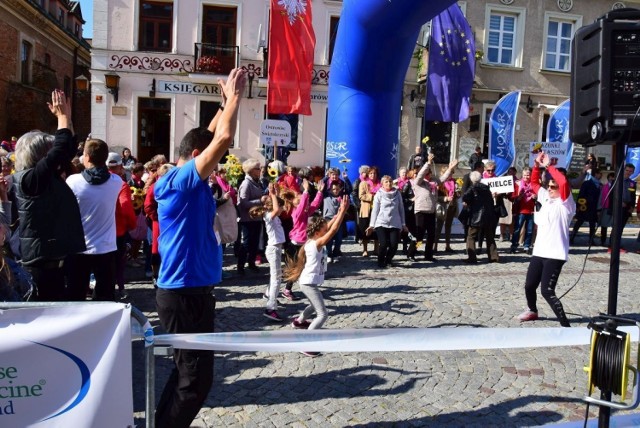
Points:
(191, 255)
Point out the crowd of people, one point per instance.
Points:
(74, 216)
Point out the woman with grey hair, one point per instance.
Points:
(250, 195)
(50, 224)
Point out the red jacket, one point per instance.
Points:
(125, 215)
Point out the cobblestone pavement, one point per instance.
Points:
(508, 388)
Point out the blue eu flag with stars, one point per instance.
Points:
(451, 67)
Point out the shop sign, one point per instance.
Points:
(188, 88)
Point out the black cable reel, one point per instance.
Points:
(610, 362)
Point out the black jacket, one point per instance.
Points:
(50, 223)
(480, 204)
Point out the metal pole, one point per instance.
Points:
(614, 271)
(150, 386)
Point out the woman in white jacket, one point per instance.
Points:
(387, 219)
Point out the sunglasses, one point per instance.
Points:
(489, 170)
(553, 187)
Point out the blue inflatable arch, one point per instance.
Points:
(372, 52)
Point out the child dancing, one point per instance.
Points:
(310, 266)
(270, 212)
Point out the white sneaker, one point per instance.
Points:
(329, 260)
(335, 259)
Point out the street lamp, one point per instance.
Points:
(112, 82)
(82, 83)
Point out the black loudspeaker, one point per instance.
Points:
(605, 80)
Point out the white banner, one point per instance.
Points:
(502, 184)
(385, 339)
(273, 131)
(557, 151)
(66, 366)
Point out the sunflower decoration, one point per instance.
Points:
(273, 173)
(536, 148)
(425, 140)
(582, 204)
(234, 170)
(459, 184)
(137, 197)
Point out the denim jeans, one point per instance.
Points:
(522, 219)
(333, 246)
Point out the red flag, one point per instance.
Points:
(291, 46)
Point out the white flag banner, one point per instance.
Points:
(384, 339)
(66, 366)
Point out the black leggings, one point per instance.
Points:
(388, 238)
(545, 272)
(426, 222)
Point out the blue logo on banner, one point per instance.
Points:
(558, 128)
(502, 123)
(85, 379)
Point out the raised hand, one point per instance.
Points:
(58, 105)
(544, 159)
(453, 164)
(234, 86)
(431, 157)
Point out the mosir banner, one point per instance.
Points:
(66, 366)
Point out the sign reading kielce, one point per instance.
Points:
(59, 364)
(502, 184)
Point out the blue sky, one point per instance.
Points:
(87, 14)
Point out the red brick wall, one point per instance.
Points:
(8, 67)
(24, 107)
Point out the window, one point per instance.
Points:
(25, 62)
(333, 32)
(47, 60)
(156, 26)
(501, 39)
(61, 15)
(504, 36)
(219, 31)
(559, 31)
(76, 30)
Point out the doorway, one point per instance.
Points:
(439, 134)
(154, 128)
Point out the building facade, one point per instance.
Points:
(526, 46)
(168, 56)
(42, 49)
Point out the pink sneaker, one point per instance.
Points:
(300, 325)
(528, 315)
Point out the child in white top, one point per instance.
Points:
(270, 212)
(310, 266)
